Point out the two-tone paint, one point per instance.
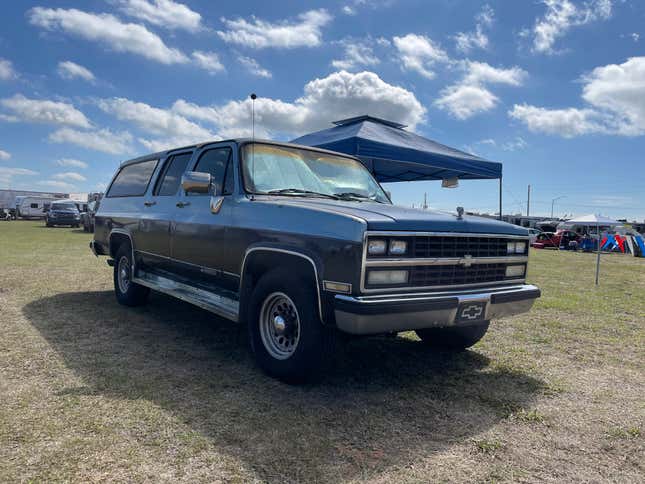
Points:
(224, 250)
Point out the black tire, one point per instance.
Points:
(314, 345)
(127, 292)
(454, 338)
(75, 226)
(47, 224)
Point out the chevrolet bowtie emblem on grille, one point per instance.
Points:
(472, 312)
(467, 261)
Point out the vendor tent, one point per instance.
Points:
(596, 221)
(393, 154)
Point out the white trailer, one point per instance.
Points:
(32, 207)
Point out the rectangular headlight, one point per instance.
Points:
(513, 272)
(515, 247)
(398, 247)
(387, 277)
(376, 247)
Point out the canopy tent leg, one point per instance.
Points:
(500, 198)
(598, 256)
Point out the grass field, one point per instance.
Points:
(92, 391)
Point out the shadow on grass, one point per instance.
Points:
(387, 401)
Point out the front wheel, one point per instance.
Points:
(288, 339)
(456, 338)
(127, 292)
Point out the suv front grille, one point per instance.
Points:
(442, 246)
(456, 275)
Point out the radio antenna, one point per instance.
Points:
(253, 98)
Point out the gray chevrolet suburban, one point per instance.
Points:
(301, 244)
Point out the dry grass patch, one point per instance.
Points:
(92, 391)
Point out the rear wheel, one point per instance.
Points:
(288, 339)
(454, 338)
(127, 292)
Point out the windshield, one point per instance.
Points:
(70, 207)
(280, 170)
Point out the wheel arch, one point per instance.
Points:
(118, 237)
(259, 260)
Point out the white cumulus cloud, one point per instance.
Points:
(69, 175)
(356, 54)
(163, 13)
(471, 95)
(43, 111)
(4, 155)
(71, 70)
(339, 95)
(306, 31)
(208, 61)
(72, 163)
(156, 121)
(563, 15)
(7, 174)
(614, 99)
(104, 140)
(419, 53)
(252, 66)
(7, 72)
(467, 41)
(108, 30)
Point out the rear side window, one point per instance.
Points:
(217, 162)
(168, 184)
(132, 180)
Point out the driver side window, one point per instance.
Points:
(218, 163)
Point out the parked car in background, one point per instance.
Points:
(301, 244)
(87, 218)
(533, 235)
(63, 212)
(551, 240)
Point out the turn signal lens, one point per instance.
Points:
(398, 247)
(376, 247)
(513, 272)
(387, 277)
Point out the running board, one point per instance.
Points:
(220, 305)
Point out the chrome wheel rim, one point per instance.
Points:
(123, 274)
(279, 325)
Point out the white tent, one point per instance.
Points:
(597, 221)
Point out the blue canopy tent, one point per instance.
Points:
(393, 154)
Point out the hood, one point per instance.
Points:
(379, 216)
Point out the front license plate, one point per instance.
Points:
(470, 312)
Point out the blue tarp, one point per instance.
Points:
(393, 154)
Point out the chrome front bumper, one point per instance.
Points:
(403, 312)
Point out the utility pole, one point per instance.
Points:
(528, 203)
(425, 201)
(553, 202)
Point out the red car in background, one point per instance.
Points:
(561, 238)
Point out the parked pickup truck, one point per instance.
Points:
(301, 244)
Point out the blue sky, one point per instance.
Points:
(554, 89)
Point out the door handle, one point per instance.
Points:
(183, 204)
(149, 204)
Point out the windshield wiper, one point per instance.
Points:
(355, 196)
(298, 191)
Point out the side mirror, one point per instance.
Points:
(196, 182)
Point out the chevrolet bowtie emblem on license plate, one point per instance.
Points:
(467, 260)
(471, 311)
